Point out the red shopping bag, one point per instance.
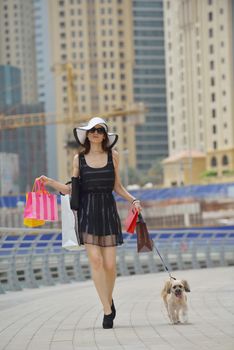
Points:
(130, 222)
(41, 204)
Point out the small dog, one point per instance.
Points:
(175, 300)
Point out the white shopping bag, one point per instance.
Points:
(70, 235)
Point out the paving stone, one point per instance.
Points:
(69, 317)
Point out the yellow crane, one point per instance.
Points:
(136, 111)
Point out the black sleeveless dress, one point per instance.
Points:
(98, 219)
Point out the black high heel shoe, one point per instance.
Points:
(113, 310)
(107, 322)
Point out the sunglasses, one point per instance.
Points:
(100, 131)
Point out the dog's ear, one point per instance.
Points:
(168, 287)
(186, 286)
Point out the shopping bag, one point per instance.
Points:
(33, 222)
(71, 239)
(41, 204)
(144, 242)
(130, 222)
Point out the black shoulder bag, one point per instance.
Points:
(75, 191)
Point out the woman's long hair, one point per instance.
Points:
(86, 145)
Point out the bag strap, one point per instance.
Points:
(140, 218)
(39, 186)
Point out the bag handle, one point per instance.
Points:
(140, 218)
(38, 186)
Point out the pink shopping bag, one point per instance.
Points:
(41, 204)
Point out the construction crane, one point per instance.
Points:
(136, 111)
(133, 113)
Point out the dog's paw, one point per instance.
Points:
(175, 322)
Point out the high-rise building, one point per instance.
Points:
(92, 52)
(9, 174)
(18, 93)
(45, 79)
(10, 94)
(150, 81)
(17, 43)
(200, 69)
(29, 145)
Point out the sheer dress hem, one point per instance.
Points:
(101, 241)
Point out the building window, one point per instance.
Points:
(210, 2)
(211, 49)
(213, 162)
(211, 65)
(211, 33)
(214, 129)
(213, 113)
(210, 16)
(225, 160)
(213, 97)
(212, 81)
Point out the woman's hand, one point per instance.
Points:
(137, 205)
(56, 185)
(45, 180)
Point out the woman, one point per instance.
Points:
(99, 223)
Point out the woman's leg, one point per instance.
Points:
(109, 264)
(95, 256)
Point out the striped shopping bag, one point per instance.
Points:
(40, 204)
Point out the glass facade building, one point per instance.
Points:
(10, 95)
(45, 78)
(150, 81)
(29, 144)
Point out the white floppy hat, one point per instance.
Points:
(81, 131)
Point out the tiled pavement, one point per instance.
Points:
(68, 317)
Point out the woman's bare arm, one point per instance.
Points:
(118, 187)
(58, 186)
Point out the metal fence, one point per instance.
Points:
(33, 257)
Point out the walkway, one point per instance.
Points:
(68, 317)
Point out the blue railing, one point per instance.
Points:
(197, 192)
(30, 257)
